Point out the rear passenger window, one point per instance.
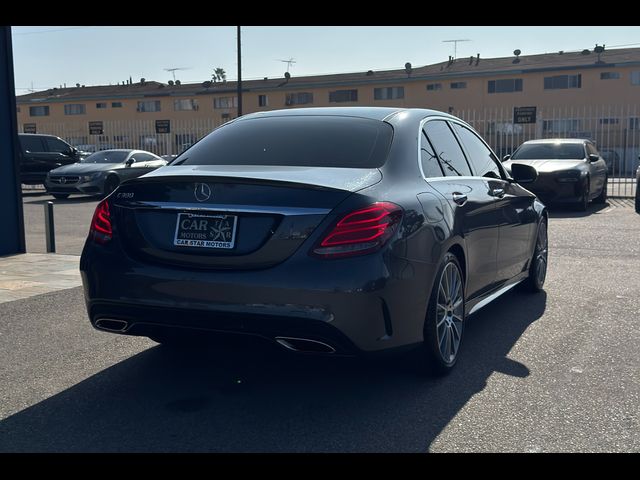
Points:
(447, 148)
(481, 158)
(31, 144)
(430, 165)
(55, 145)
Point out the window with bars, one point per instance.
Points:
(149, 106)
(388, 93)
(562, 82)
(339, 96)
(75, 109)
(225, 102)
(434, 86)
(185, 104)
(609, 75)
(506, 85)
(39, 111)
(300, 98)
(458, 85)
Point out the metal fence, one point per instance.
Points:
(614, 128)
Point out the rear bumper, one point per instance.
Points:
(354, 305)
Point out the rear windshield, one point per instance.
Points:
(305, 141)
(106, 156)
(547, 151)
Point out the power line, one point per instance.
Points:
(48, 31)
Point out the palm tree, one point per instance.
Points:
(219, 75)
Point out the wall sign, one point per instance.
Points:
(524, 114)
(29, 128)
(96, 128)
(163, 126)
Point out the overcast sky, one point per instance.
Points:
(46, 57)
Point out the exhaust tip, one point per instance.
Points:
(305, 345)
(112, 325)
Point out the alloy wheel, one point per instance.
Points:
(450, 312)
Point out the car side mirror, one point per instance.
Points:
(130, 162)
(523, 173)
(506, 157)
(593, 157)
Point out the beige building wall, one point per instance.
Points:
(594, 92)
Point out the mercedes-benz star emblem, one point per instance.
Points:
(63, 180)
(202, 192)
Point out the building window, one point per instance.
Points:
(634, 123)
(635, 78)
(505, 86)
(149, 106)
(338, 96)
(609, 121)
(562, 82)
(225, 102)
(182, 104)
(301, 98)
(39, 111)
(75, 109)
(434, 86)
(116, 104)
(561, 125)
(458, 85)
(101, 105)
(263, 101)
(609, 75)
(388, 93)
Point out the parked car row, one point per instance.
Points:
(63, 169)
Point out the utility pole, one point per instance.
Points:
(239, 73)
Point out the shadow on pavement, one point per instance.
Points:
(168, 400)
(556, 211)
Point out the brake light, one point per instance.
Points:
(361, 231)
(100, 230)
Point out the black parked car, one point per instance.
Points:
(324, 230)
(41, 153)
(100, 173)
(569, 170)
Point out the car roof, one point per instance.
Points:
(373, 113)
(560, 140)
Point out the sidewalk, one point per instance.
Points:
(29, 274)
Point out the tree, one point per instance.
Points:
(219, 75)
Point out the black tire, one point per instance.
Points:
(110, 184)
(60, 196)
(538, 267)
(637, 198)
(583, 203)
(179, 342)
(441, 326)
(602, 198)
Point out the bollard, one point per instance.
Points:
(49, 227)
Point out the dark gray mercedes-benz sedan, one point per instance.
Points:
(335, 231)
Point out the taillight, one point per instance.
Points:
(361, 231)
(100, 230)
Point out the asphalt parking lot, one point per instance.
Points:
(556, 371)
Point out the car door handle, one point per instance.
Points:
(459, 198)
(497, 192)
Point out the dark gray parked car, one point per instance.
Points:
(100, 173)
(335, 231)
(570, 170)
